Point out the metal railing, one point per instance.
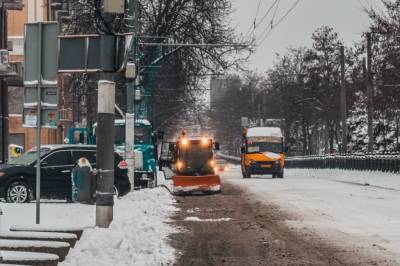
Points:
(385, 162)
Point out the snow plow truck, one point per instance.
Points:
(194, 165)
(263, 152)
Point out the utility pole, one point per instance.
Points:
(343, 104)
(3, 91)
(369, 92)
(105, 153)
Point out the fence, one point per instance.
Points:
(371, 162)
(366, 162)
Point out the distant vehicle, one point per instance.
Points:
(263, 152)
(18, 176)
(221, 165)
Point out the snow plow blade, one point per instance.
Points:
(188, 184)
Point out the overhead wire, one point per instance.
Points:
(273, 26)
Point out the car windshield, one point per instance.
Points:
(254, 147)
(28, 157)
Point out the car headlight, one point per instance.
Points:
(2, 173)
(144, 176)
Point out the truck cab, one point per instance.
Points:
(263, 152)
(145, 154)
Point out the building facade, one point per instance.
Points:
(33, 11)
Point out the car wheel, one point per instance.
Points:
(18, 192)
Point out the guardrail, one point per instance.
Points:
(366, 162)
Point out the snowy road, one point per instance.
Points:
(358, 211)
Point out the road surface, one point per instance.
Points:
(249, 224)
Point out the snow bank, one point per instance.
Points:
(137, 236)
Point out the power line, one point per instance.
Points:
(279, 22)
(255, 24)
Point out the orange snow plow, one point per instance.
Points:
(206, 183)
(194, 165)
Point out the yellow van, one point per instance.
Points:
(263, 152)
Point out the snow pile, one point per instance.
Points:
(137, 236)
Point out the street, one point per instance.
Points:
(300, 220)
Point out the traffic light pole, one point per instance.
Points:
(38, 123)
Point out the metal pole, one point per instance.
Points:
(130, 104)
(105, 153)
(38, 123)
(369, 93)
(3, 92)
(343, 101)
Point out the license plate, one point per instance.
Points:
(266, 166)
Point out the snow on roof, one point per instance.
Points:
(264, 132)
(27, 256)
(122, 122)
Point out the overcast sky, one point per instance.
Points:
(345, 16)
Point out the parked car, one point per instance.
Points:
(18, 176)
(221, 165)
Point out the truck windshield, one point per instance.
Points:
(196, 158)
(141, 135)
(255, 147)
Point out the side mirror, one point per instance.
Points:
(160, 135)
(286, 149)
(43, 163)
(171, 147)
(216, 144)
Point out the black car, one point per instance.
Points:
(18, 177)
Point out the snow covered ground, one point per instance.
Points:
(348, 207)
(137, 235)
(53, 215)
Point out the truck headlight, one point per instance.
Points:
(2, 173)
